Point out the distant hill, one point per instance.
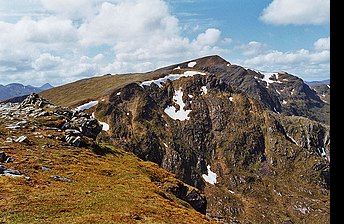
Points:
(17, 89)
(313, 83)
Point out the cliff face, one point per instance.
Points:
(253, 164)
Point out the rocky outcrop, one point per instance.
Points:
(80, 129)
(192, 196)
(34, 100)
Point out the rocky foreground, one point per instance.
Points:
(54, 170)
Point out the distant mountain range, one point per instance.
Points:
(312, 83)
(17, 89)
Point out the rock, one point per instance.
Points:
(197, 201)
(74, 140)
(72, 132)
(193, 197)
(62, 179)
(9, 172)
(45, 168)
(13, 127)
(2, 169)
(4, 158)
(89, 127)
(34, 100)
(21, 139)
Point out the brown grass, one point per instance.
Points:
(92, 88)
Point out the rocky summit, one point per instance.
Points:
(206, 139)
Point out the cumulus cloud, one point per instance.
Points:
(71, 8)
(310, 64)
(209, 38)
(322, 44)
(252, 48)
(46, 61)
(126, 36)
(297, 12)
(144, 35)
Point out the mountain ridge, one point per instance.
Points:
(17, 89)
(289, 94)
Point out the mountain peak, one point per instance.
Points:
(46, 86)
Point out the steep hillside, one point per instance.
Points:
(47, 175)
(254, 165)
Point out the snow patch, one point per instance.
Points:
(178, 68)
(118, 94)
(284, 102)
(171, 77)
(204, 90)
(293, 139)
(267, 79)
(292, 92)
(192, 64)
(328, 86)
(181, 114)
(105, 126)
(210, 177)
(231, 99)
(322, 152)
(86, 106)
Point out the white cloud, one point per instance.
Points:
(144, 35)
(209, 38)
(129, 20)
(252, 48)
(46, 61)
(75, 9)
(309, 64)
(70, 40)
(322, 44)
(297, 12)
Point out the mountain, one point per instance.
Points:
(17, 89)
(46, 86)
(279, 92)
(247, 146)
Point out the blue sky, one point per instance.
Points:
(66, 40)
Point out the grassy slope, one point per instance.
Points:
(92, 88)
(115, 188)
